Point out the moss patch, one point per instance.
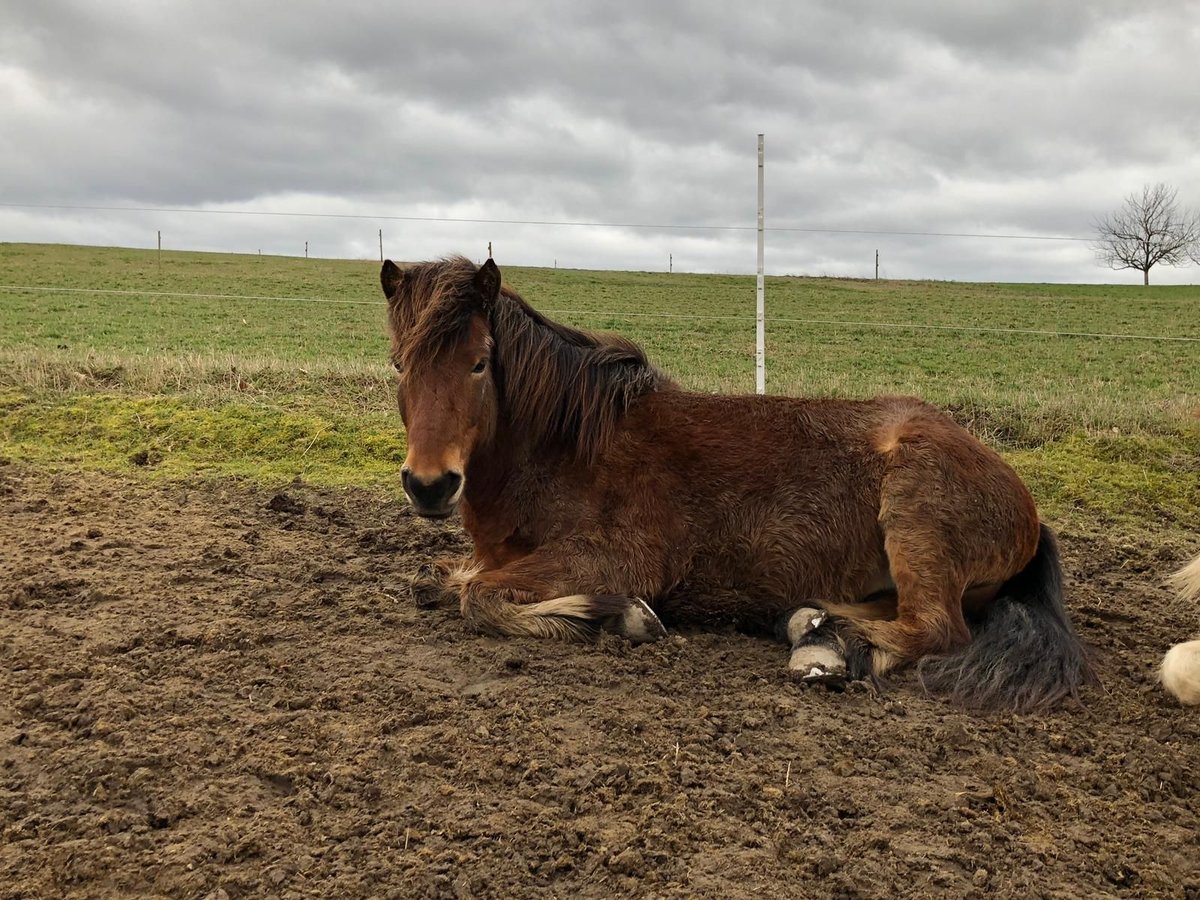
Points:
(1083, 482)
(1127, 483)
(173, 438)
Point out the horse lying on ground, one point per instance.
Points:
(600, 495)
(1180, 669)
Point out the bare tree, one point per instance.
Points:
(1147, 230)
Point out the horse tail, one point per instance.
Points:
(1180, 668)
(1024, 653)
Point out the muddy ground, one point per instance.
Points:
(216, 690)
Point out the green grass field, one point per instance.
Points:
(1106, 429)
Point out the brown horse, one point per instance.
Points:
(598, 494)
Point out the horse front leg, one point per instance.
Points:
(429, 584)
(534, 597)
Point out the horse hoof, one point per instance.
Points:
(427, 587)
(816, 664)
(804, 622)
(639, 624)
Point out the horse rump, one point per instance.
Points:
(1024, 653)
(1180, 668)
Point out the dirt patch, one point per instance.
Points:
(209, 688)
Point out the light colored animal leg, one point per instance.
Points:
(1180, 672)
(1187, 580)
(1180, 669)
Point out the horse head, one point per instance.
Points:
(442, 351)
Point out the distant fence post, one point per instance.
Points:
(306, 249)
(876, 265)
(159, 251)
(760, 356)
(381, 245)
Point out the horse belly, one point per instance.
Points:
(778, 502)
(752, 578)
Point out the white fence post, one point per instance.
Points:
(760, 362)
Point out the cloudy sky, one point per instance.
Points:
(1017, 117)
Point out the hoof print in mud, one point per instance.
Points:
(282, 503)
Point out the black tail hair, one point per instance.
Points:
(1024, 653)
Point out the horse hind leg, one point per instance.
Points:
(818, 653)
(825, 647)
(930, 621)
(928, 616)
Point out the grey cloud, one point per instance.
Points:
(1016, 116)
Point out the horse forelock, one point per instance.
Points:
(431, 310)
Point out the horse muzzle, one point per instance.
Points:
(433, 498)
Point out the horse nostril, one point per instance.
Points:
(433, 494)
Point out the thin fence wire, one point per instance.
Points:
(602, 314)
(838, 322)
(18, 288)
(665, 226)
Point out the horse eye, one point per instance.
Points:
(479, 367)
(396, 366)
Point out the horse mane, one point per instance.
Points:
(558, 386)
(562, 385)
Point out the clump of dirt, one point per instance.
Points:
(209, 689)
(147, 456)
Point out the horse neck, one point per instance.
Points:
(505, 494)
(550, 418)
(489, 469)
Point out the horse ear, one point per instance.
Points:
(390, 277)
(487, 283)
